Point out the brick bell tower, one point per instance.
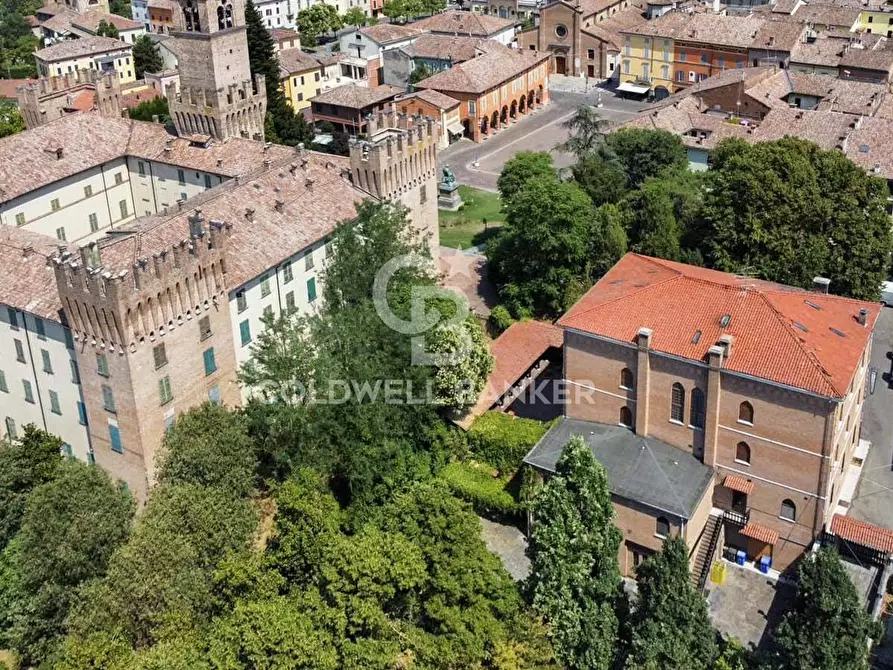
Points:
(218, 97)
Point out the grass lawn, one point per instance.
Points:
(465, 228)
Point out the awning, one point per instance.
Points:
(456, 128)
(629, 87)
(862, 533)
(760, 533)
(739, 484)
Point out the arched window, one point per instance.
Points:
(698, 408)
(788, 510)
(677, 403)
(626, 378)
(221, 24)
(742, 453)
(662, 527)
(229, 16)
(626, 417)
(190, 15)
(745, 413)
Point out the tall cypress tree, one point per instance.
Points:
(670, 627)
(575, 579)
(281, 125)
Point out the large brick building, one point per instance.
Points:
(725, 409)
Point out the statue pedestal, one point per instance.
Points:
(448, 196)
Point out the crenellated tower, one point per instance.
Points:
(152, 325)
(50, 98)
(399, 162)
(218, 97)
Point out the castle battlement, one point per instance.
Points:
(399, 156)
(234, 111)
(49, 98)
(156, 294)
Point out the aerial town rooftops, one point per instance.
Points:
(802, 340)
(387, 33)
(357, 97)
(77, 142)
(464, 23)
(91, 20)
(778, 35)
(85, 46)
(454, 49)
(436, 98)
(27, 282)
(487, 71)
(292, 61)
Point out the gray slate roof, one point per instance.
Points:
(640, 469)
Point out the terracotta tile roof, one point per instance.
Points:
(862, 533)
(83, 101)
(385, 33)
(485, 72)
(292, 61)
(625, 18)
(306, 213)
(760, 533)
(828, 15)
(330, 58)
(514, 352)
(454, 49)
(279, 34)
(87, 46)
(8, 87)
(879, 59)
(464, 23)
(778, 35)
(26, 281)
(357, 97)
(435, 98)
(91, 21)
(89, 139)
(779, 336)
(130, 100)
(739, 484)
(825, 52)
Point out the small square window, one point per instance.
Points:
(245, 332)
(11, 428)
(241, 301)
(181, 177)
(75, 372)
(60, 234)
(141, 168)
(119, 178)
(54, 205)
(54, 403)
(264, 286)
(20, 351)
(47, 362)
(290, 302)
(82, 413)
(204, 327)
(20, 219)
(125, 211)
(308, 261)
(159, 353)
(88, 191)
(40, 328)
(115, 439)
(207, 181)
(94, 223)
(108, 398)
(311, 289)
(210, 363)
(102, 365)
(3, 386)
(287, 274)
(164, 390)
(29, 391)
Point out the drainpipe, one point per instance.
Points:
(824, 466)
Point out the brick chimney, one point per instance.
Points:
(715, 357)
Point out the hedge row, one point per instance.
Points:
(486, 493)
(503, 440)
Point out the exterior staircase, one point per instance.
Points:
(700, 570)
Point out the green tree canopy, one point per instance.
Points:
(317, 20)
(601, 177)
(24, 464)
(670, 626)
(209, 445)
(459, 380)
(355, 16)
(586, 132)
(419, 72)
(11, 120)
(789, 211)
(146, 56)
(541, 255)
(574, 579)
(827, 627)
(107, 29)
(644, 153)
(146, 111)
(71, 526)
(521, 168)
(281, 124)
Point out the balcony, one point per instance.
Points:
(736, 518)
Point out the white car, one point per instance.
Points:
(887, 293)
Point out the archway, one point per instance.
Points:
(560, 64)
(513, 111)
(504, 117)
(530, 99)
(661, 92)
(522, 104)
(494, 120)
(485, 126)
(539, 95)
(466, 124)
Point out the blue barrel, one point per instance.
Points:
(765, 564)
(740, 557)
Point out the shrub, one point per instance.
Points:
(500, 319)
(485, 492)
(503, 440)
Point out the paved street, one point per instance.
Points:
(540, 131)
(874, 496)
